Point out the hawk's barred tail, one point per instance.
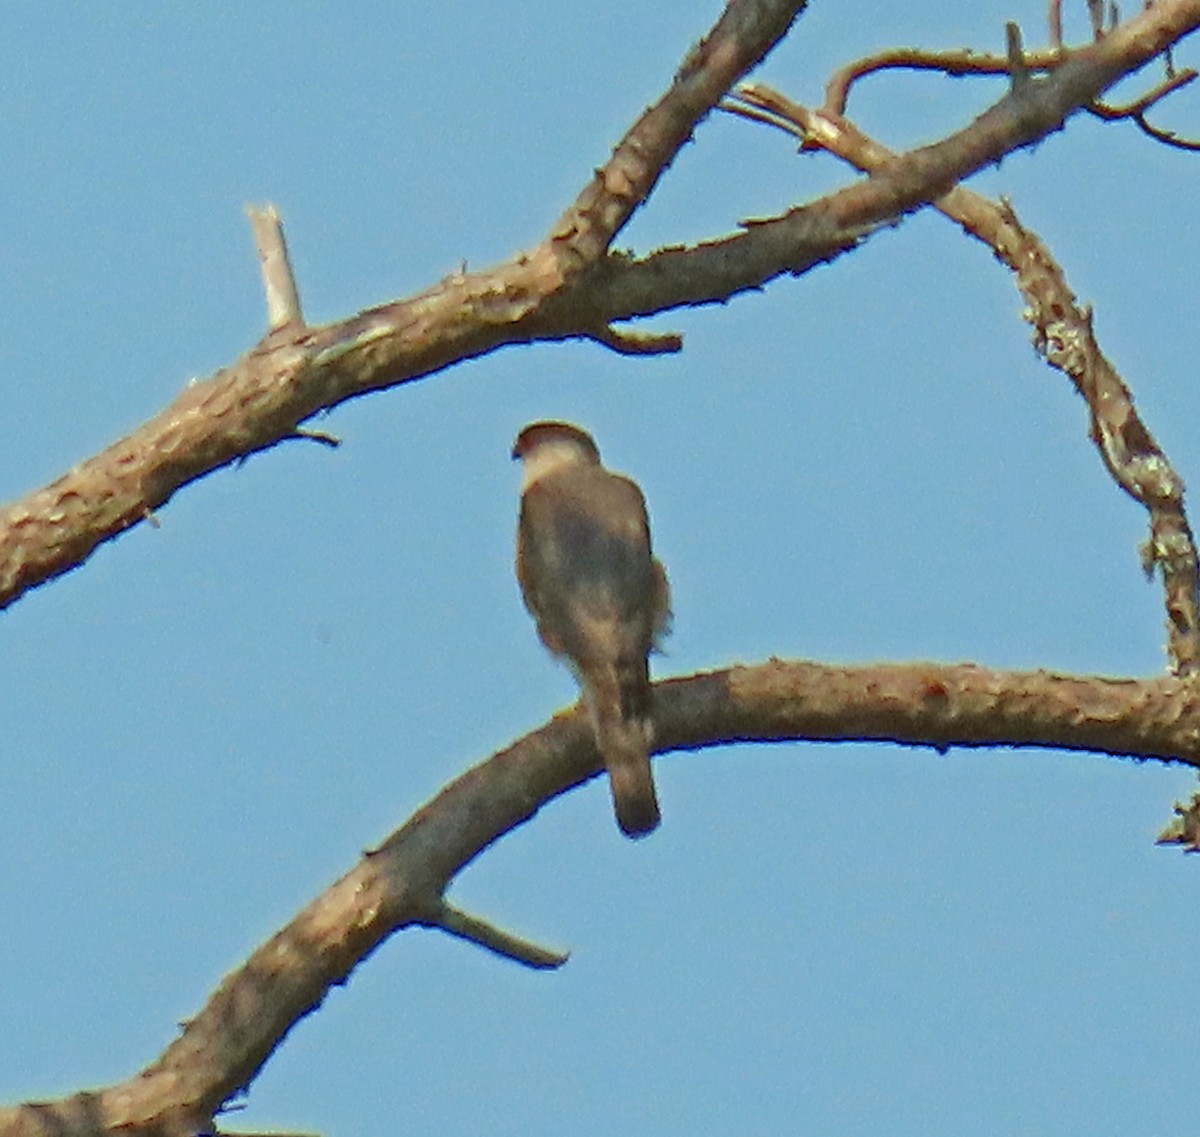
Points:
(620, 715)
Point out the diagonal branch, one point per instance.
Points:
(746, 31)
(1064, 336)
(400, 884)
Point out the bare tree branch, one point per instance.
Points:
(818, 232)
(572, 286)
(1140, 108)
(401, 883)
(296, 372)
(1064, 336)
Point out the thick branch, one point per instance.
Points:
(401, 883)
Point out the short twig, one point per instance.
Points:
(1018, 70)
(638, 343)
(477, 931)
(283, 297)
(304, 432)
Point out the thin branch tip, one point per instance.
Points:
(267, 1133)
(1054, 20)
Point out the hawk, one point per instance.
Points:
(598, 596)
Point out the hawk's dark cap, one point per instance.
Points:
(551, 431)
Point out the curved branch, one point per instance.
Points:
(1166, 137)
(957, 63)
(401, 883)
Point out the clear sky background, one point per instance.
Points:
(205, 725)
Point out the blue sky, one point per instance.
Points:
(207, 723)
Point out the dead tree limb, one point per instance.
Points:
(569, 286)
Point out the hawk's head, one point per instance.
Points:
(547, 446)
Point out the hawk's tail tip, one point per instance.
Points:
(634, 800)
(637, 821)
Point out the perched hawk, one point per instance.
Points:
(598, 595)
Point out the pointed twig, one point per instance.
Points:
(638, 343)
(283, 298)
(467, 927)
(330, 440)
(1018, 69)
